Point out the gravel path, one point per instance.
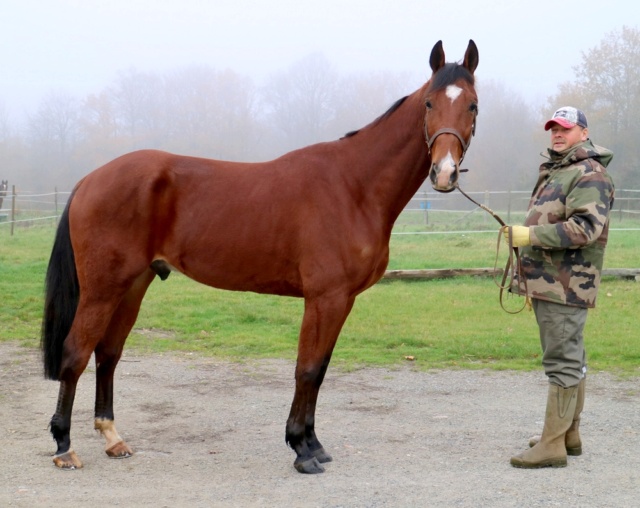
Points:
(211, 433)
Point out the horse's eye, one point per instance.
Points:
(428, 105)
(473, 108)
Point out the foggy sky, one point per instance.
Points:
(79, 46)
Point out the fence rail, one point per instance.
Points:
(28, 207)
(447, 273)
(428, 212)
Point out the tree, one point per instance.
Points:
(5, 125)
(361, 98)
(138, 98)
(212, 113)
(607, 88)
(503, 154)
(300, 101)
(13, 165)
(52, 135)
(102, 137)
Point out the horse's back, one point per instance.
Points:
(226, 224)
(261, 227)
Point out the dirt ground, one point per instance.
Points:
(211, 433)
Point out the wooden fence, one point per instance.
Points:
(447, 273)
(39, 207)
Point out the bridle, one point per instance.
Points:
(448, 130)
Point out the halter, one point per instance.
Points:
(448, 130)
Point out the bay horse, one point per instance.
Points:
(314, 223)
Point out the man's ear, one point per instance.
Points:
(585, 134)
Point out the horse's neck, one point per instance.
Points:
(393, 158)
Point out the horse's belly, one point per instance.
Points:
(243, 271)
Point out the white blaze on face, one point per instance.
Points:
(447, 168)
(453, 92)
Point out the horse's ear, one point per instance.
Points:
(436, 60)
(471, 57)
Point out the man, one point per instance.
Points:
(562, 246)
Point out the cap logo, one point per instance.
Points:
(569, 114)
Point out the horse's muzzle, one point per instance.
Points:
(444, 177)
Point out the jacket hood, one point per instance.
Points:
(579, 152)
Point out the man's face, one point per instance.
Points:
(562, 138)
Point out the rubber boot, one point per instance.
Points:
(550, 451)
(572, 440)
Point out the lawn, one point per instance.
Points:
(445, 323)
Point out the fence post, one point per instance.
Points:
(620, 209)
(486, 203)
(13, 207)
(426, 209)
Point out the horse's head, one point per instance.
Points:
(451, 107)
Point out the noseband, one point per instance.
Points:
(447, 130)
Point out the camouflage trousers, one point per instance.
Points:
(563, 354)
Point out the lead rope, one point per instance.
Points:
(513, 268)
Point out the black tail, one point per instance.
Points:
(61, 298)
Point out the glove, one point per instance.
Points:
(520, 235)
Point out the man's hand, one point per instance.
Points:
(519, 235)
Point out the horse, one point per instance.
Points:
(314, 223)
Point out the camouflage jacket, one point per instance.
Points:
(568, 219)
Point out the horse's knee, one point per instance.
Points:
(311, 375)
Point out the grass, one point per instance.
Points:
(448, 323)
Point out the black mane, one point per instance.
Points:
(384, 115)
(447, 75)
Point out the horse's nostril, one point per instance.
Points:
(433, 174)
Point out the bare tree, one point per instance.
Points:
(102, 135)
(5, 124)
(212, 113)
(138, 98)
(51, 138)
(300, 102)
(54, 125)
(504, 153)
(607, 87)
(361, 98)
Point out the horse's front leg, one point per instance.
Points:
(321, 325)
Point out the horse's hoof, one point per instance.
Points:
(309, 466)
(321, 456)
(68, 461)
(120, 450)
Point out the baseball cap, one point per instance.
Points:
(567, 117)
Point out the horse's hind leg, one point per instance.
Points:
(60, 426)
(321, 325)
(90, 321)
(108, 353)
